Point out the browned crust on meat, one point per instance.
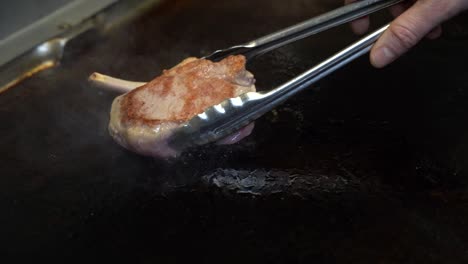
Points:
(207, 83)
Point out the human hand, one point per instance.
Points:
(415, 19)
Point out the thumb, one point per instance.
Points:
(409, 28)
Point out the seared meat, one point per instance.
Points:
(143, 119)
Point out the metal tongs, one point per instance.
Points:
(231, 115)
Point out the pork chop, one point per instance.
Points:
(143, 119)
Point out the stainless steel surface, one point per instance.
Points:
(40, 58)
(18, 14)
(49, 53)
(58, 21)
(305, 29)
(223, 119)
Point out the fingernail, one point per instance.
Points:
(382, 56)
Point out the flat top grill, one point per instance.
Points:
(383, 152)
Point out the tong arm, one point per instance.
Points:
(305, 29)
(229, 116)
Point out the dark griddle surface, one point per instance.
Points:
(383, 151)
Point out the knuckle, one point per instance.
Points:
(404, 35)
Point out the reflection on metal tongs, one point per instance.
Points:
(221, 120)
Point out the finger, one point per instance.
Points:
(408, 29)
(361, 25)
(399, 9)
(435, 33)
